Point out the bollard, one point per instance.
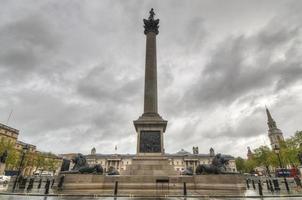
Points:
(30, 184)
(271, 185)
(52, 183)
(267, 185)
(40, 183)
(60, 184)
(185, 189)
(276, 184)
(23, 183)
(298, 181)
(115, 188)
(47, 186)
(286, 185)
(247, 184)
(260, 188)
(253, 183)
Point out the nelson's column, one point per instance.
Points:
(150, 172)
(150, 126)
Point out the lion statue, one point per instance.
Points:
(81, 166)
(218, 166)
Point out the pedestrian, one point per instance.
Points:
(298, 181)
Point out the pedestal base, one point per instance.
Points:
(150, 166)
(150, 186)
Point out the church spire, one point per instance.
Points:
(275, 135)
(249, 153)
(270, 121)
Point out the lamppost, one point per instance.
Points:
(277, 151)
(24, 149)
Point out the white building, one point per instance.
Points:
(180, 160)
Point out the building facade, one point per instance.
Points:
(9, 139)
(181, 160)
(8, 134)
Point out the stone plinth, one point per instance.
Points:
(150, 166)
(149, 144)
(137, 185)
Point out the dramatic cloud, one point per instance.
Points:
(73, 72)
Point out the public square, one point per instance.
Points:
(143, 99)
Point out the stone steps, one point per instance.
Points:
(148, 185)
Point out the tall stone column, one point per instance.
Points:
(150, 100)
(150, 126)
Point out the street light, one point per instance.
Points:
(24, 149)
(277, 151)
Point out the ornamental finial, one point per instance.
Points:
(150, 24)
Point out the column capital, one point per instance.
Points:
(151, 24)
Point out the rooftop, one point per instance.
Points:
(8, 128)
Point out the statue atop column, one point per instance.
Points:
(151, 17)
(150, 126)
(150, 24)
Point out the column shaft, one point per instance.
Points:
(150, 100)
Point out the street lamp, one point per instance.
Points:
(277, 151)
(24, 149)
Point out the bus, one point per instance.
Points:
(287, 172)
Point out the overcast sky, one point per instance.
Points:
(73, 72)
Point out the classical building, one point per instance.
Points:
(8, 134)
(275, 135)
(180, 160)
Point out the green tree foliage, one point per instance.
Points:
(240, 164)
(36, 160)
(245, 166)
(40, 162)
(13, 154)
(291, 148)
(265, 157)
(250, 165)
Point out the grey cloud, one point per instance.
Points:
(227, 78)
(75, 70)
(106, 83)
(28, 42)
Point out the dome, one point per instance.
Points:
(183, 152)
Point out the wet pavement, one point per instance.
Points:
(127, 198)
(251, 193)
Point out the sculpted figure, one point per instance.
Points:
(151, 17)
(81, 166)
(188, 171)
(112, 171)
(4, 157)
(218, 166)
